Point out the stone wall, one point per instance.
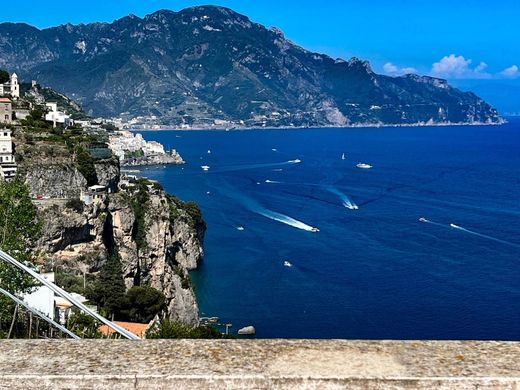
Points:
(259, 364)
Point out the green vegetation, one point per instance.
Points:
(185, 277)
(4, 76)
(179, 330)
(75, 204)
(192, 210)
(108, 291)
(86, 165)
(19, 228)
(142, 304)
(83, 325)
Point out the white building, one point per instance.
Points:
(7, 161)
(57, 117)
(11, 88)
(42, 299)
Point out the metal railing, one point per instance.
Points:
(62, 293)
(41, 315)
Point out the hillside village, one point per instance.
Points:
(92, 216)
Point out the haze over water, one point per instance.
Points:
(373, 272)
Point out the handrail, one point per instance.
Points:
(62, 293)
(41, 315)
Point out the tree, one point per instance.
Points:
(85, 164)
(143, 303)
(83, 325)
(4, 76)
(19, 229)
(109, 289)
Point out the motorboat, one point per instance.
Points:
(423, 219)
(205, 168)
(287, 264)
(364, 166)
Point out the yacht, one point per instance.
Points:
(287, 264)
(205, 168)
(241, 228)
(315, 230)
(364, 166)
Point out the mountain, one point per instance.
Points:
(206, 64)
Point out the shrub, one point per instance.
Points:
(75, 204)
(179, 330)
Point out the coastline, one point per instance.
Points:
(356, 126)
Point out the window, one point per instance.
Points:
(5, 134)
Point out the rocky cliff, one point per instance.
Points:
(209, 65)
(80, 237)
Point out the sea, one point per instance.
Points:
(301, 243)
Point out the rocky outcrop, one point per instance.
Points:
(49, 170)
(107, 172)
(81, 239)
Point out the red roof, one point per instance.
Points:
(5, 100)
(134, 327)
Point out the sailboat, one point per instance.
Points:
(343, 156)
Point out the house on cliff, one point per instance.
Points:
(11, 88)
(7, 161)
(6, 111)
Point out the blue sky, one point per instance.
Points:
(404, 33)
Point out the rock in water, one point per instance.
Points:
(247, 331)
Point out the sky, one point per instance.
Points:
(459, 40)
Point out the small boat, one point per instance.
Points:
(274, 150)
(455, 226)
(315, 230)
(423, 219)
(209, 151)
(343, 156)
(364, 166)
(287, 264)
(297, 161)
(241, 228)
(205, 168)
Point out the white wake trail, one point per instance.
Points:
(347, 202)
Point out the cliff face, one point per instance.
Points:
(81, 237)
(49, 169)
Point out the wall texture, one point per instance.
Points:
(259, 364)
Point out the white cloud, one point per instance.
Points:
(512, 72)
(393, 70)
(458, 67)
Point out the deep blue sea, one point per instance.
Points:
(375, 272)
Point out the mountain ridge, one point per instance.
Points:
(205, 65)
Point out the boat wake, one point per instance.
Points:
(244, 167)
(460, 228)
(273, 182)
(347, 202)
(285, 219)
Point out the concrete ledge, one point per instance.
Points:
(259, 364)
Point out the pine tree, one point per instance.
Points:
(109, 289)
